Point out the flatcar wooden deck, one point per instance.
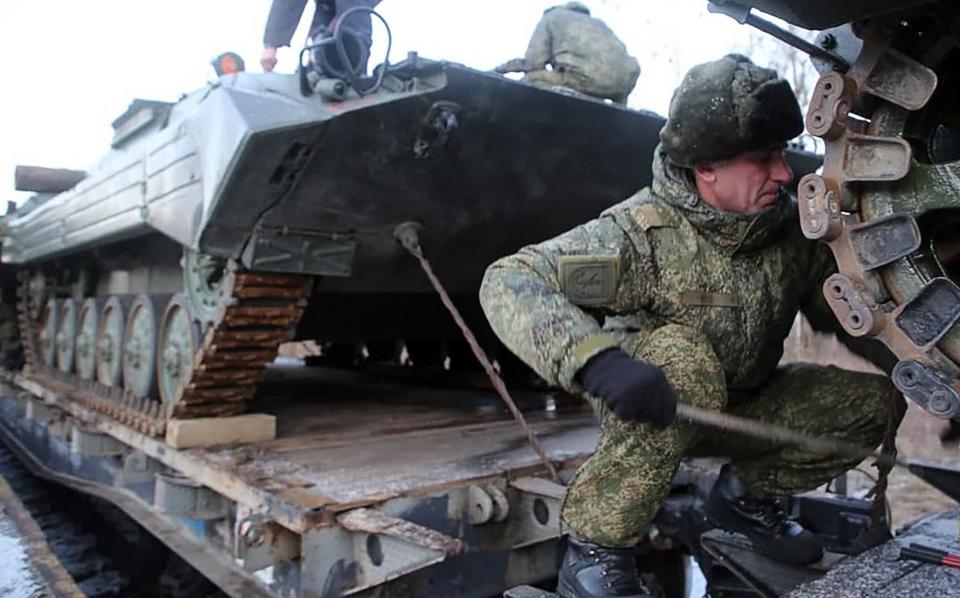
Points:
(347, 439)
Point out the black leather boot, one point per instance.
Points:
(592, 571)
(761, 520)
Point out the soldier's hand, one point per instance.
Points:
(268, 59)
(633, 390)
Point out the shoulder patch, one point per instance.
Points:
(649, 217)
(589, 279)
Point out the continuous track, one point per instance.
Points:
(217, 372)
(875, 201)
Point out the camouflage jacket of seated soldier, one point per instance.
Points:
(585, 48)
(663, 256)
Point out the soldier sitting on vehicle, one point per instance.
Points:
(686, 292)
(582, 53)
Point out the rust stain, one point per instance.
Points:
(374, 522)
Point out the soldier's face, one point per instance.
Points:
(746, 184)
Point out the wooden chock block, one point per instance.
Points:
(209, 431)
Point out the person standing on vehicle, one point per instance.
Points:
(686, 292)
(582, 53)
(285, 16)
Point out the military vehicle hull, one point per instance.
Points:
(252, 202)
(250, 170)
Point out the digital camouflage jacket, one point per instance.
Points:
(661, 257)
(581, 45)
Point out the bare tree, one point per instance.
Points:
(792, 64)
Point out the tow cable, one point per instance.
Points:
(406, 234)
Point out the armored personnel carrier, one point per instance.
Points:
(262, 207)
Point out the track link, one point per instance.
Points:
(262, 312)
(879, 291)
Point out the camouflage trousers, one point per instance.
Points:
(618, 491)
(576, 82)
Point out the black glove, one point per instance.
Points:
(634, 390)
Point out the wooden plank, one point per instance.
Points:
(209, 431)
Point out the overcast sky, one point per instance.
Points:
(72, 66)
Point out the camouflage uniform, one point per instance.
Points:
(585, 55)
(709, 297)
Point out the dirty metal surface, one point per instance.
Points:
(286, 513)
(879, 573)
(211, 563)
(371, 521)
